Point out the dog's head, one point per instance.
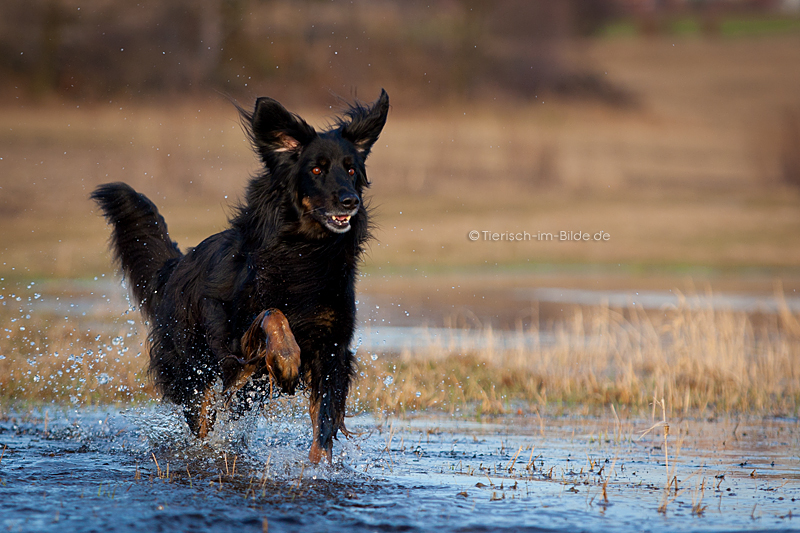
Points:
(325, 170)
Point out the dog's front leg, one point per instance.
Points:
(269, 342)
(330, 383)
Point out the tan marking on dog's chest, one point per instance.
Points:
(325, 317)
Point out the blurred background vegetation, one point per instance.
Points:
(432, 50)
(673, 125)
(445, 49)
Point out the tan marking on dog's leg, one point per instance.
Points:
(268, 341)
(283, 353)
(317, 451)
(205, 424)
(242, 377)
(315, 454)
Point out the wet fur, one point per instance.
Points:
(278, 253)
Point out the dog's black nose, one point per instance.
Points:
(349, 200)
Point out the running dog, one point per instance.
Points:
(267, 305)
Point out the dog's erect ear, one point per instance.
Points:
(366, 123)
(274, 130)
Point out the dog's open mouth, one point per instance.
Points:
(338, 223)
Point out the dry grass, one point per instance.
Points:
(702, 362)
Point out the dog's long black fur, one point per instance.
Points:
(293, 244)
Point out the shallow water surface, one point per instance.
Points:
(139, 470)
(80, 469)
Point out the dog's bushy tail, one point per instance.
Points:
(139, 240)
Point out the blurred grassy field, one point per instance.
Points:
(688, 180)
(688, 176)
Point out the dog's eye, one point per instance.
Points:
(316, 171)
(352, 172)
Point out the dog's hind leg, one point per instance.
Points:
(200, 413)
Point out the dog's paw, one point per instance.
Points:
(317, 451)
(270, 342)
(282, 351)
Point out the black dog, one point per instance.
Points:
(291, 253)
